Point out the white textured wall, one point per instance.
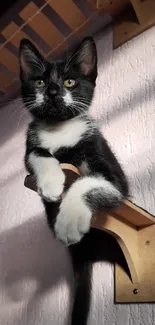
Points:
(35, 273)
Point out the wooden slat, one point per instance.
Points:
(9, 60)
(13, 87)
(69, 12)
(134, 215)
(112, 7)
(93, 3)
(11, 29)
(78, 32)
(41, 25)
(60, 49)
(4, 80)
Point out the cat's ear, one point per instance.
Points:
(85, 57)
(30, 60)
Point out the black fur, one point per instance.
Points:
(92, 148)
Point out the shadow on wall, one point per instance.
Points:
(129, 103)
(33, 251)
(9, 179)
(14, 118)
(32, 263)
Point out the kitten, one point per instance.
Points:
(58, 96)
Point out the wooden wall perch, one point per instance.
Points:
(134, 230)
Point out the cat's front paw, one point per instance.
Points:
(50, 187)
(73, 222)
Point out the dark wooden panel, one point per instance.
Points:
(41, 25)
(4, 80)
(112, 7)
(11, 29)
(70, 13)
(9, 60)
(127, 26)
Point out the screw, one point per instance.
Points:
(135, 291)
(148, 242)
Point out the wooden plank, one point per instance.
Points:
(144, 9)
(4, 80)
(126, 27)
(93, 3)
(136, 216)
(77, 32)
(14, 86)
(9, 60)
(70, 13)
(112, 7)
(41, 25)
(13, 28)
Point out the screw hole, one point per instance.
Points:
(135, 291)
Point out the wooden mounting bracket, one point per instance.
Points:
(134, 230)
(131, 17)
(137, 18)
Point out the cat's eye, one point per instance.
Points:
(39, 83)
(69, 83)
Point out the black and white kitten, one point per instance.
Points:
(58, 95)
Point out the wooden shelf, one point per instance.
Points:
(134, 230)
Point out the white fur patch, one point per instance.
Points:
(39, 98)
(49, 176)
(74, 218)
(67, 134)
(68, 99)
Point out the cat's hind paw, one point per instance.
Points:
(73, 221)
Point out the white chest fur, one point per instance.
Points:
(68, 134)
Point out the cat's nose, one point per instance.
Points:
(53, 89)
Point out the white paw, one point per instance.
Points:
(50, 187)
(73, 221)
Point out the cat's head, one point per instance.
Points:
(58, 90)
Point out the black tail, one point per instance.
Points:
(83, 255)
(81, 305)
(83, 273)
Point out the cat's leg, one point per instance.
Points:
(86, 196)
(49, 176)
